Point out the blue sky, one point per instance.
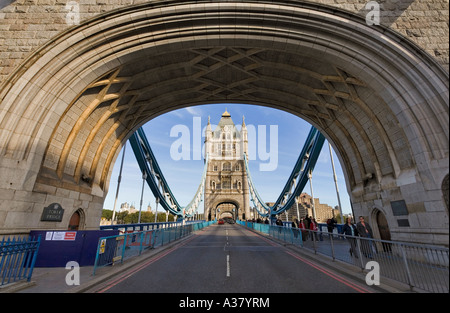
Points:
(269, 172)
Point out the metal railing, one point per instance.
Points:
(114, 249)
(422, 267)
(17, 259)
(143, 226)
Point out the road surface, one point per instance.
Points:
(230, 259)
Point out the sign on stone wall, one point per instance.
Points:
(53, 213)
(399, 208)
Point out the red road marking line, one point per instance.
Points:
(140, 267)
(319, 268)
(330, 274)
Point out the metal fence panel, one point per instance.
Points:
(17, 259)
(420, 266)
(118, 248)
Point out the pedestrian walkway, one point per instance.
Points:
(349, 267)
(53, 279)
(421, 267)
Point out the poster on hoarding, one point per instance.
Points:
(61, 235)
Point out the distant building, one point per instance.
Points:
(128, 207)
(322, 211)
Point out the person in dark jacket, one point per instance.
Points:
(295, 226)
(279, 223)
(364, 230)
(331, 224)
(349, 229)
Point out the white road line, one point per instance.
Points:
(228, 255)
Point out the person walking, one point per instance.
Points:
(313, 227)
(365, 231)
(279, 223)
(331, 224)
(307, 221)
(302, 227)
(295, 226)
(349, 229)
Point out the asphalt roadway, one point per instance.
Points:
(230, 259)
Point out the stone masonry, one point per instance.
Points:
(77, 78)
(26, 25)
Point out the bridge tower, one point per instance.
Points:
(226, 188)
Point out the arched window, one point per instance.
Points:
(226, 166)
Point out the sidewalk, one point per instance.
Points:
(53, 279)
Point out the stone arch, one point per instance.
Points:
(68, 109)
(234, 214)
(379, 223)
(381, 228)
(211, 212)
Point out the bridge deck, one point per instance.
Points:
(229, 258)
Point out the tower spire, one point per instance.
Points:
(226, 114)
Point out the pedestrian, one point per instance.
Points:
(349, 229)
(331, 224)
(279, 223)
(307, 221)
(365, 231)
(295, 226)
(302, 227)
(313, 227)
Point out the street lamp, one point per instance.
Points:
(336, 185)
(144, 177)
(312, 194)
(118, 184)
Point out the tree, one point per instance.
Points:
(132, 218)
(121, 217)
(107, 214)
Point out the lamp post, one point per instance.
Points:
(144, 177)
(156, 210)
(118, 185)
(312, 194)
(335, 183)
